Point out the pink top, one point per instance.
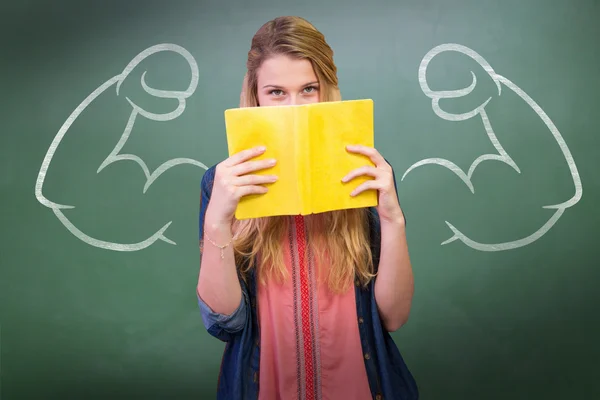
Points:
(310, 344)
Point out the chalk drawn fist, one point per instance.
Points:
(174, 105)
(501, 155)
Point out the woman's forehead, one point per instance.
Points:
(285, 71)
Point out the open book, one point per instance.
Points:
(309, 143)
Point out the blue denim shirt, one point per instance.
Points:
(388, 375)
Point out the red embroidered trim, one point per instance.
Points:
(306, 317)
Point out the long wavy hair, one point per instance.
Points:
(339, 238)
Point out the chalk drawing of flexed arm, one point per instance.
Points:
(501, 155)
(115, 155)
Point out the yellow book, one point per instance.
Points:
(309, 143)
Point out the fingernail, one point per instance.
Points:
(262, 148)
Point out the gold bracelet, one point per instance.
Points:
(220, 247)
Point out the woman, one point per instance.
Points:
(304, 304)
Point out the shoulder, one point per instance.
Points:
(374, 236)
(208, 179)
(373, 220)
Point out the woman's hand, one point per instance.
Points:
(388, 207)
(233, 180)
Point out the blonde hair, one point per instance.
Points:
(340, 238)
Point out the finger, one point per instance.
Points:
(365, 170)
(254, 180)
(252, 166)
(370, 152)
(242, 191)
(368, 185)
(244, 155)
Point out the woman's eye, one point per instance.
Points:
(276, 92)
(310, 89)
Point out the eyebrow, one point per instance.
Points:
(281, 87)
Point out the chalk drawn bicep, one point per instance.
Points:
(114, 152)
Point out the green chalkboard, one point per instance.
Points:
(112, 111)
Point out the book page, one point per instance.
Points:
(271, 127)
(333, 126)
